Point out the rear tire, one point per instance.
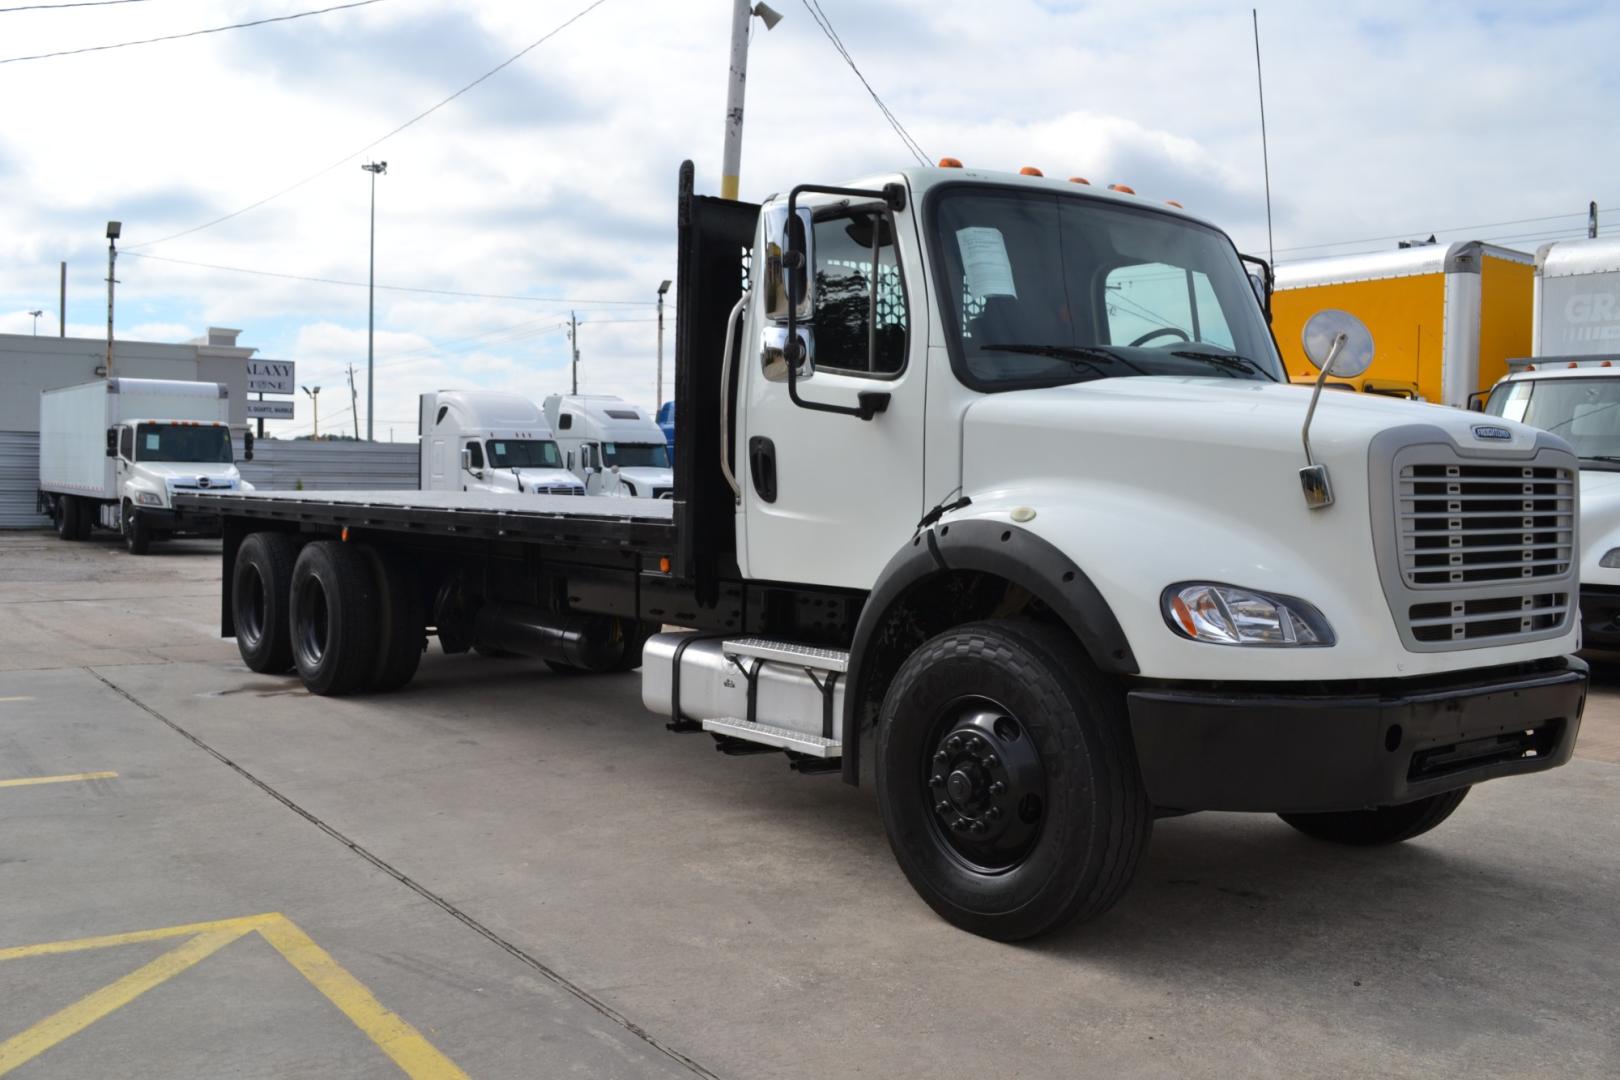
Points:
(63, 517)
(261, 592)
(137, 533)
(1380, 825)
(333, 618)
(1008, 780)
(400, 636)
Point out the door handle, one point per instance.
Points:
(762, 466)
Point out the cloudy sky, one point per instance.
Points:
(555, 178)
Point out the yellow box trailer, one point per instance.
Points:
(1445, 319)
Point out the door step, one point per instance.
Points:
(782, 738)
(788, 652)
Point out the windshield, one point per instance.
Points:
(636, 455)
(1042, 288)
(524, 454)
(183, 442)
(1585, 412)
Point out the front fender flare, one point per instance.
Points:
(992, 547)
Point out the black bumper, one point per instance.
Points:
(1305, 748)
(188, 522)
(1600, 617)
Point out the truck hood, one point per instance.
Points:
(536, 479)
(647, 480)
(190, 473)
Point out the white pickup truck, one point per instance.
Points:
(115, 452)
(992, 487)
(489, 440)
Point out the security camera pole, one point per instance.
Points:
(732, 165)
(659, 403)
(115, 229)
(371, 293)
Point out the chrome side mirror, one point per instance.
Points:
(789, 257)
(773, 353)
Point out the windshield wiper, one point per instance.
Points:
(1088, 355)
(1225, 360)
(1612, 459)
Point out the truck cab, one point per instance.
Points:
(490, 441)
(614, 447)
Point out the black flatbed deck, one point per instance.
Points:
(576, 520)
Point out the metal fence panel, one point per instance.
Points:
(19, 480)
(330, 466)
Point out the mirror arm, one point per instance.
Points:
(1313, 478)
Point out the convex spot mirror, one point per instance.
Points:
(1352, 357)
(247, 446)
(788, 257)
(112, 442)
(773, 353)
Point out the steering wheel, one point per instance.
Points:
(1163, 331)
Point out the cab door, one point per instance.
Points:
(828, 497)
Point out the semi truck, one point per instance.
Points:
(489, 440)
(1447, 317)
(611, 445)
(115, 452)
(944, 522)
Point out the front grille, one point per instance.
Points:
(1465, 524)
(1480, 551)
(560, 489)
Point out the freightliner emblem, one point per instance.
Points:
(1485, 431)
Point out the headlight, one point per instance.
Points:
(1226, 615)
(147, 498)
(1611, 559)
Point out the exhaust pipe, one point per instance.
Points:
(592, 642)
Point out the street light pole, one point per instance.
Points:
(373, 168)
(731, 166)
(573, 345)
(114, 231)
(36, 315)
(659, 402)
(315, 403)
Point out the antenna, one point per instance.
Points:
(1265, 156)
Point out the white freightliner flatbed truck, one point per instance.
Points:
(947, 515)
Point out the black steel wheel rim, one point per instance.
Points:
(984, 785)
(313, 621)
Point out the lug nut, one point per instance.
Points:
(997, 787)
(942, 808)
(941, 756)
(989, 761)
(977, 826)
(959, 824)
(954, 743)
(993, 813)
(936, 781)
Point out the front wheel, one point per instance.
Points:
(137, 533)
(1381, 824)
(1008, 781)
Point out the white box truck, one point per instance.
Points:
(946, 516)
(610, 444)
(113, 453)
(489, 440)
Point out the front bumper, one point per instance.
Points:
(189, 522)
(1600, 616)
(1319, 748)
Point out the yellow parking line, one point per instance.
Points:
(87, 1010)
(16, 699)
(25, 781)
(55, 948)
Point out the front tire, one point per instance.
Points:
(1380, 825)
(333, 618)
(1008, 781)
(137, 533)
(261, 591)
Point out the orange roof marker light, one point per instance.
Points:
(1030, 170)
(1573, 364)
(1079, 180)
(1123, 189)
(1607, 363)
(1172, 202)
(950, 163)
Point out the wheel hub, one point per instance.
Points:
(986, 787)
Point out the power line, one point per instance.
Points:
(390, 288)
(1408, 234)
(189, 33)
(821, 20)
(77, 4)
(345, 159)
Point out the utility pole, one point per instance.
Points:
(1591, 220)
(61, 312)
(658, 403)
(315, 403)
(114, 231)
(371, 299)
(737, 84)
(573, 343)
(354, 405)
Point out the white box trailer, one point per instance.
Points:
(1577, 299)
(115, 451)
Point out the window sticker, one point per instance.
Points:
(152, 440)
(500, 449)
(985, 263)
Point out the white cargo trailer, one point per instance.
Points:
(114, 453)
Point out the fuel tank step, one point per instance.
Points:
(788, 652)
(797, 741)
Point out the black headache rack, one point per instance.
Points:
(638, 525)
